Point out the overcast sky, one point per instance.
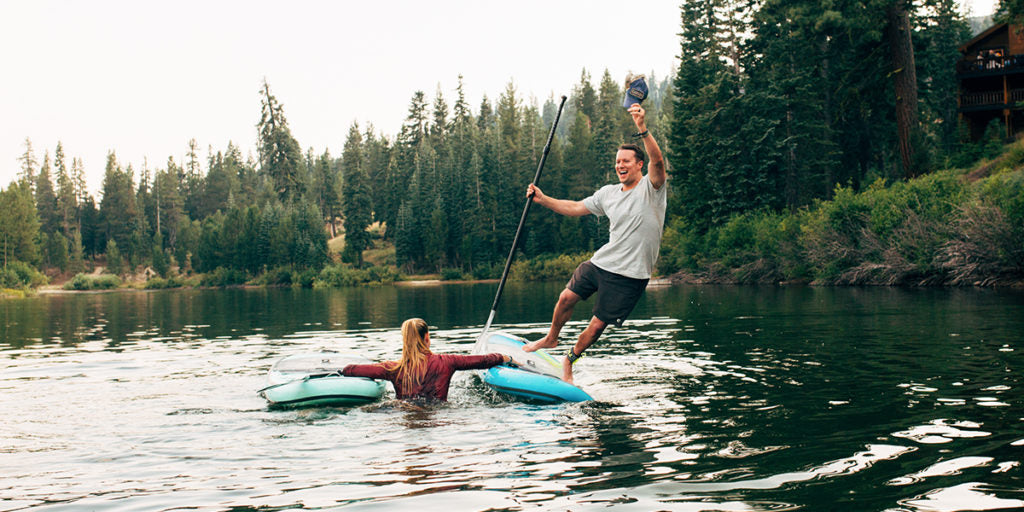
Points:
(142, 78)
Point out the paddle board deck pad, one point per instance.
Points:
(538, 376)
(306, 380)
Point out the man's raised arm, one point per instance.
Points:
(656, 166)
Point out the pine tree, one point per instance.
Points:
(439, 125)
(280, 156)
(407, 236)
(326, 187)
(145, 198)
(19, 224)
(512, 171)
(138, 252)
(415, 127)
(790, 108)
(92, 239)
(399, 173)
(57, 251)
(80, 188)
(118, 209)
(161, 265)
(939, 30)
(46, 200)
(357, 201)
(170, 207)
(28, 164)
(192, 183)
(585, 96)
(309, 246)
(76, 260)
(904, 77)
(379, 172)
(485, 119)
(610, 116)
(461, 111)
(67, 204)
(115, 263)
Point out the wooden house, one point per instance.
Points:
(991, 78)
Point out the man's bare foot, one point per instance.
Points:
(539, 344)
(566, 370)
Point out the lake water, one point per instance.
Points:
(709, 398)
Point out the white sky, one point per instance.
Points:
(142, 78)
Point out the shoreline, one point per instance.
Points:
(679, 278)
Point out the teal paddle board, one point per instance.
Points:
(314, 379)
(535, 376)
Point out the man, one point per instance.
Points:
(620, 269)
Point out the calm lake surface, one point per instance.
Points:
(709, 398)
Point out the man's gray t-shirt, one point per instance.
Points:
(636, 219)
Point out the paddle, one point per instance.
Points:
(522, 221)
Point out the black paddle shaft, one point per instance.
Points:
(526, 210)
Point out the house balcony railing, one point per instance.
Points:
(990, 98)
(991, 65)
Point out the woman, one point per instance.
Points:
(421, 373)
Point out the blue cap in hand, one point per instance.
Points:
(636, 91)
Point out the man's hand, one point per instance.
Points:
(534, 192)
(639, 116)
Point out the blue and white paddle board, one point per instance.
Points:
(537, 377)
(313, 379)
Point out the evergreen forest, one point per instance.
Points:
(801, 137)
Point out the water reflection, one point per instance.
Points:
(710, 398)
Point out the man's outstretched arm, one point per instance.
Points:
(560, 206)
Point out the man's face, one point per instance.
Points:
(628, 167)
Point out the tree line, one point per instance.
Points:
(779, 101)
(772, 106)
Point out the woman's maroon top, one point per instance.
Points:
(434, 383)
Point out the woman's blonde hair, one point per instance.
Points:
(415, 351)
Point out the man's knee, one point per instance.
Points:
(593, 331)
(568, 298)
(596, 325)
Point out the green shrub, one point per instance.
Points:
(85, 282)
(341, 275)
(487, 271)
(384, 275)
(682, 247)
(159, 283)
(17, 274)
(988, 245)
(547, 268)
(936, 229)
(759, 247)
(451, 274)
(304, 278)
(277, 276)
(222, 276)
(1005, 191)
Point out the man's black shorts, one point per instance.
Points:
(616, 294)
